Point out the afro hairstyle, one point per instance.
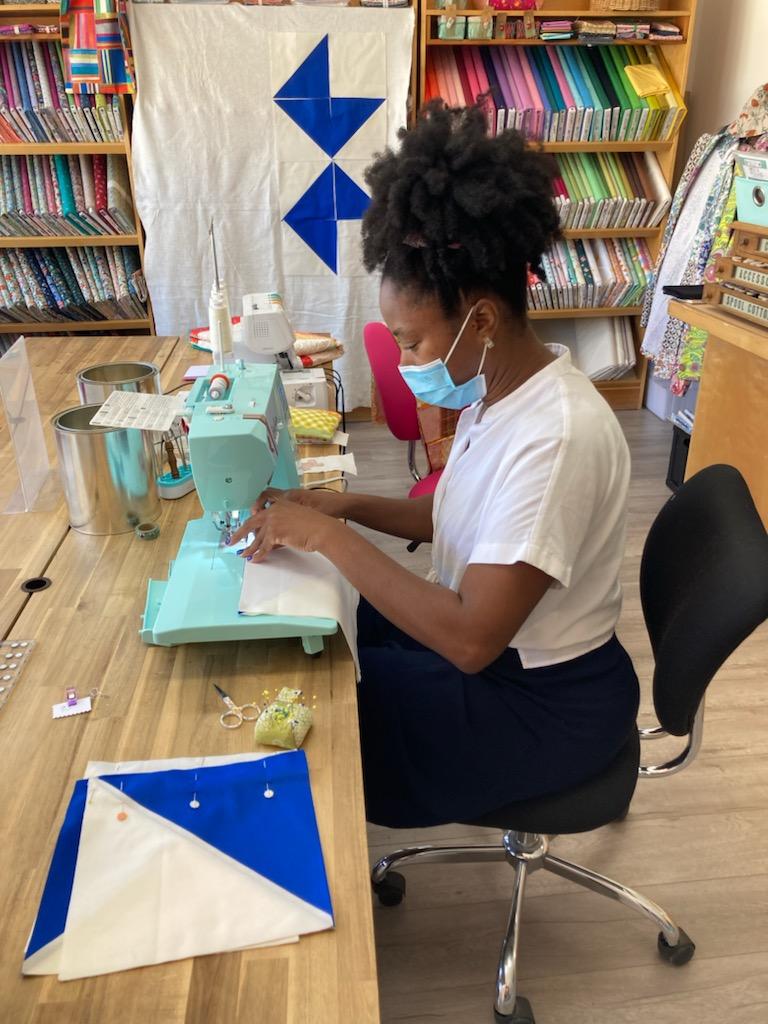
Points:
(455, 210)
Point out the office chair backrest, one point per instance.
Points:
(397, 401)
(703, 586)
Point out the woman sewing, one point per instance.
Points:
(500, 678)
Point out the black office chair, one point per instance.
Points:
(704, 589)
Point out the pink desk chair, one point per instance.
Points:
(397, 401)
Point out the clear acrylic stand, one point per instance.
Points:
(37, 489)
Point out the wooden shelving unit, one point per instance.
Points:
(577, 9)
(34, 37)
(628, 391)
(534, 42)
(32, 11)
(51, 148)
(62, 241)
(78, 326)
(49, 14)
(655, 146)
(612, 233)
(569, 314)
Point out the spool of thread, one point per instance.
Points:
(220, 324)
(218, 386)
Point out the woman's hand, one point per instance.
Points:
(284, 524)
(331, 503)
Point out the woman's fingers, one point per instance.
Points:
(266, 498)
(255, 546)
(266, 545)
(249, 526)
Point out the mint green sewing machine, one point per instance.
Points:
(240, 441)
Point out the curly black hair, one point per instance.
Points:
(455, 209)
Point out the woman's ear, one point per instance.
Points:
(486, 320)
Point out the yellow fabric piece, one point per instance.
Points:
(646, 79)
(285, 722)
(319, 424)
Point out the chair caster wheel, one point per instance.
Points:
(679, 954)
(390, 890)
(522, 1013)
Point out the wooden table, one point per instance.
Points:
(731, 424)
(161, 703)
(28, 542)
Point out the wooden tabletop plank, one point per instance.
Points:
(161, 703)
(29, 541)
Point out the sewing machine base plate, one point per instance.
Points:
(198, 602)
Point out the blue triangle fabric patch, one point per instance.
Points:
(313, 218)
(322, 237)
(330, 123)
(54, 905)
(351, 201)
(318, 202)
(275, 837)
(312, 79)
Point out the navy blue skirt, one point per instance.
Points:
(442, 746)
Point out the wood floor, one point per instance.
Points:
(697, 843)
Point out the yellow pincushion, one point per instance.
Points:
(285, 722)
(316, 424)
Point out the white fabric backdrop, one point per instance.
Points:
(209, 141)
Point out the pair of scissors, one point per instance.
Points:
(236, 714)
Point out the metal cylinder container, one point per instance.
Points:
(96, 383)
(107, 473)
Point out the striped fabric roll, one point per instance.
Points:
(97, 47)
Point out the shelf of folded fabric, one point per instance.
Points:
(65, 148)
(542, 42)
(33, 37)
(613, 232)
(607, 351)
(555, 314)
(603, 147)
(69, 326)
(625, 392)
(564, 12)
(60, 241)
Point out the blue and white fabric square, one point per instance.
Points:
(162, 860)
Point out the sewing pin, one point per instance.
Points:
(194, 803)
(122, 814)
(268, 792)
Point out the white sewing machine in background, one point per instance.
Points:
(265, 334)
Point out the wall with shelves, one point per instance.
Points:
(674, 58)
(53, 148)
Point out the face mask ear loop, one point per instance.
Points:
(486, 346)
(458, 336)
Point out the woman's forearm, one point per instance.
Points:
(410, 518)
(400, 595)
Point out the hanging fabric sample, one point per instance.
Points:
(697, 233)
(279, 110)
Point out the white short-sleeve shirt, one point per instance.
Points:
(541, 477)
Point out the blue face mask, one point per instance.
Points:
(433, 384)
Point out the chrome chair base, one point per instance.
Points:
(527, 852)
